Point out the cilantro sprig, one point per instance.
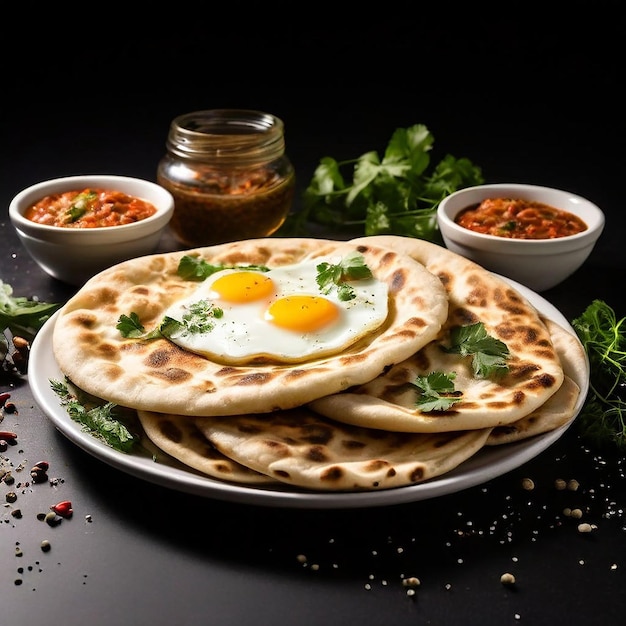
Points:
(436, 391)
(23, 317)
(196, 320)
(397, 194)
(336, 275)
(195, 268)
(99, 420)
(489, 355)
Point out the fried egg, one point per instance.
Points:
(244, 315)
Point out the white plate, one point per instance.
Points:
(488, 463)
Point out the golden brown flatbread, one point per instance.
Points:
(179, 436)
(157, 375)
(304, 449)
(560, 408)
(388, 402)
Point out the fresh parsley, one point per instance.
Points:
(23, 317)
(197, 319)
(99, 420)
(19, 318)
(336, 275)
(489, 355)
(397, 194)
(436, 391)
(603, 416)
(195, 268)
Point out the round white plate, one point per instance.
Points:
(488, 463)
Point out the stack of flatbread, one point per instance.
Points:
(344, 420)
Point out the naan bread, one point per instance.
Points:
(159, 376)
(178, 436)
(553, 413)
(303, 449)
(560, 408)
(475, 295)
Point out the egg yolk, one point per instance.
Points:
(241, 287)
(302, 313)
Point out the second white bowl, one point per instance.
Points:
(540, 264)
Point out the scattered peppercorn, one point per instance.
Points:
(52, 519)
(45, 545)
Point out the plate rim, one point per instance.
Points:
(488, 463)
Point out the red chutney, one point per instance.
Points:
(89, 208)
(516, 218)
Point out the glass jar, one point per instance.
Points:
(229, 175)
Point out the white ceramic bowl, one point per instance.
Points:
(74, 255)
(537, 263)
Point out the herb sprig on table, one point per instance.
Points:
(100, 420)
(602, 419)
(397, 194)
(20, 320)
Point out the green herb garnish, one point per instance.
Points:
(395, 195)
(337, 275)
(99, 420)
(195, 268)
(603, 416)
(488, 354)
(23, 317)
(196, 320)
(437, 392)
(80, 205)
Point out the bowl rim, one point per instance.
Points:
(446, 218)
(162, 199)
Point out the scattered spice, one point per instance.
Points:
(64, 508)
(45, 545)
(507, 579)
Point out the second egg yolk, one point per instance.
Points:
(302, 313)
(243, 287)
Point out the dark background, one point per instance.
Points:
(526, 95)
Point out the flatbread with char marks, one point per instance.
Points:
(180, 437)
(304, 449)
(560, 408)
(534, 372)
(157, 375)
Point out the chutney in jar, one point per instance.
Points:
(229, 175)
(229, 206)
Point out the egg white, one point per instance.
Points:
(243, 335)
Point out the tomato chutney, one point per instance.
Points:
(89, 208)
(516, 218)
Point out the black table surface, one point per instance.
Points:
(139, 553)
